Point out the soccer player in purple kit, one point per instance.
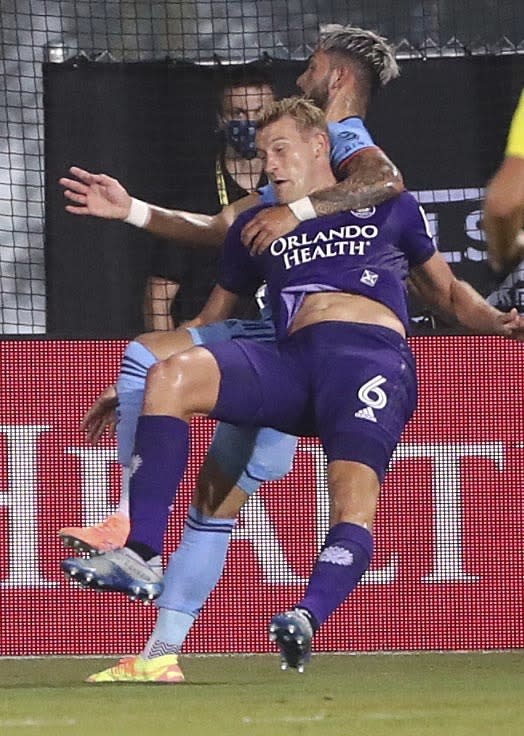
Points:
(340, 369)
(349, 65)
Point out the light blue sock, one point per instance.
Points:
(197, 564)
(169, 634)
(130, 388)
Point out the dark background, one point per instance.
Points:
(152, 126)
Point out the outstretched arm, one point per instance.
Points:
(102, 196)
(101, 416)
(503, 218)
(504, 206)
(438, 286)
(369, 179)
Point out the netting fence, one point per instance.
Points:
(129, 88)
(107, 33)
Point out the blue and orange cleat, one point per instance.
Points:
(120, 570)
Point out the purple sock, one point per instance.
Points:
(343, 560)
(157, 466)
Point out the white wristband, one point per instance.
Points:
(139, 213)
(303, 209)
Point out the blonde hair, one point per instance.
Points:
(304, 112)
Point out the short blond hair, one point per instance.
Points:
(304, 112)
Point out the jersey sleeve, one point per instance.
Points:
(347, 138)
(416, 239)
(268, 194)
(239, 272)
(515, 145)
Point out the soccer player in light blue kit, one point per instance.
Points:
(340, 369)
(348, 66)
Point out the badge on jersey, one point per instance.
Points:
(350, 141)
(369, 277)
(364, 212)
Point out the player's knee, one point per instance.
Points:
(168, 390)
(272, 463)
(167, 374)
(164, 343)
(148, 339)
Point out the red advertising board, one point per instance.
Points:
(448, 568)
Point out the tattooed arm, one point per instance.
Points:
(369, 179)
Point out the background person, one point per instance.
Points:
(182, 277)
(504, 205)
(504, 218)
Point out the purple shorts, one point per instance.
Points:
(352, 385)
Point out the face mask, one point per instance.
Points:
(240, 134)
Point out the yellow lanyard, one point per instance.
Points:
(223, 197)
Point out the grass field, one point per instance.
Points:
(451, 694)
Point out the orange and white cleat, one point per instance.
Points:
(163, 669)
(111, 534)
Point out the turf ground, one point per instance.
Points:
(451, 694)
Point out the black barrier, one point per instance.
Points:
(152, 125)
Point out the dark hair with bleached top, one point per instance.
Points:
(372, 52)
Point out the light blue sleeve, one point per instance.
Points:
(347, 138)
(268, 194)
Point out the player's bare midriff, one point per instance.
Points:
(340, 307)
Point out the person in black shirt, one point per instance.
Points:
(182, 276)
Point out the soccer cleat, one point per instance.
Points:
(292, 631)
(120, 570)
(137, 669)
(110, 534)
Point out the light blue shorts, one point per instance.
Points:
(262, 330)
(248, 455)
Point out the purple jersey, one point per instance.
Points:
(347, 137)
(367, 252)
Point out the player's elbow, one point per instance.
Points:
(391, 175)
(218, 227)
(396, 182)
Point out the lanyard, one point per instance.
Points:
(223, 196)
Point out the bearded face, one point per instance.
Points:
(314, 82)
